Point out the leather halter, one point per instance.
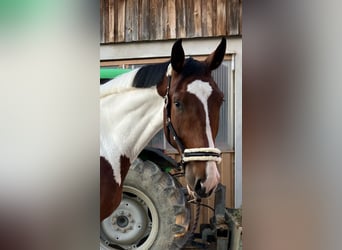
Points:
(190, 154)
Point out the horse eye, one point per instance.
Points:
(177, 104)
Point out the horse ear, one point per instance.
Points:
(215, 59)
(177, 56)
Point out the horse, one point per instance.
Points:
(179, 96)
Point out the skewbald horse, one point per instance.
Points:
(179, 95)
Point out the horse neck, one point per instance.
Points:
(119, 84)
(129, 118)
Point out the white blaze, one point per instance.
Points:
(202, 90)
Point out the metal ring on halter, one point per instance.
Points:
(168, 74)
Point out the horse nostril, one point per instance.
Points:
(199, 188)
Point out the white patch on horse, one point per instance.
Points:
(129, 118)
(118, 84)
(202, 90)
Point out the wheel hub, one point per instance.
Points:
(128, 223)
(122, 221)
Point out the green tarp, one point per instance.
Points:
(109, 73)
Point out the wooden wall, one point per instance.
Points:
(145, 20)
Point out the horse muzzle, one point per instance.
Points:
(203, 187)
(201, 190)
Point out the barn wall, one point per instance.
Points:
(146, 20)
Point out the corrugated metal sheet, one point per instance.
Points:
(224, 140)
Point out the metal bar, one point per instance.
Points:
(237, 87)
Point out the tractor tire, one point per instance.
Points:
(153, 213)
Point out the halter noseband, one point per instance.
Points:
(189, 154)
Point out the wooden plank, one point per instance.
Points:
(189, 17)
(214, 17)
(204, 27)
(227, 177)
(121, 20)
(116, 28)
(181, 21)
(144, 17)
(221, 17)
(135, 20)
(233, 17)
(165, 17)
(105, 20)
(171, 20)
(102, 32)
(129, 17)
(197, 18)
(209, 18)
(120, 63)
(111, 20)
(160, 20)
(153, 19)
(157, 20)
(240, 17)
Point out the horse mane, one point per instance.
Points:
(150, 75)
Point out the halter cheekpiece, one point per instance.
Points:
(188, 154)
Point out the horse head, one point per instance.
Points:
(191, 115)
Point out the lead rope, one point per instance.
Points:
(197, 201)
(198, 209)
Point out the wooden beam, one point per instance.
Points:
(126, 62)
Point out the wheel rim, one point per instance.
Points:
(134, 224)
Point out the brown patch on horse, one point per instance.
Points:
(110, 190)
(188, 119)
